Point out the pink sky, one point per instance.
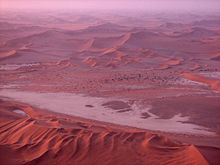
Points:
(205, 5)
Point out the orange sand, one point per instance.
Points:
(214, 84)
(43, 137)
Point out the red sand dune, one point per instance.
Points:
(7, 54)
(110, 42)
(90, 61)
(135, 51)
(87, 45)
(42, 137)
(170, 62)
(214, 84)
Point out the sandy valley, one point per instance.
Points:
(90, 89)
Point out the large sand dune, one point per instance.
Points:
(109, 88)
(38, 137)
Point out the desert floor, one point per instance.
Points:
(96, 89)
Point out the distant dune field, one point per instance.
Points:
(109, 88)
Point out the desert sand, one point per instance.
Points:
(41, 137)
(125, 88)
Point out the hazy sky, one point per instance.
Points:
(202, 5)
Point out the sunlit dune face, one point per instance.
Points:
(148, 5)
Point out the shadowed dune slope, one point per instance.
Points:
(40, 137)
